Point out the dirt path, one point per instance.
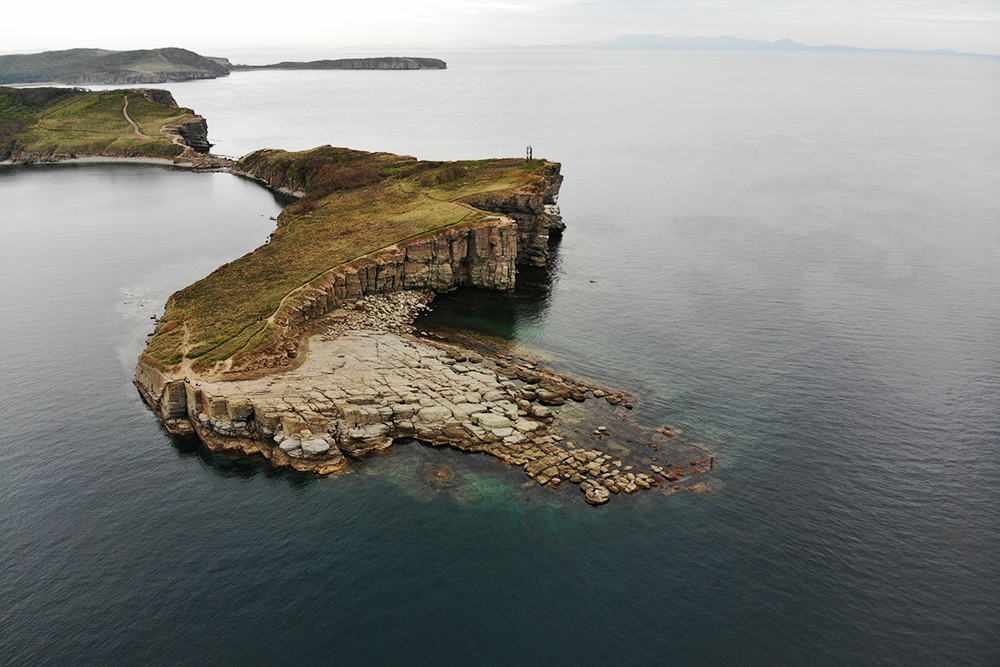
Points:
(136, 132)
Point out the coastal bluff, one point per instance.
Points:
(333, 372)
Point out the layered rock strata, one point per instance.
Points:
(476, 255)
(484, 254)
(536, 214)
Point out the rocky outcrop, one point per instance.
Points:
(160, 96)
(479, 254)
(344, 378)
(185, 143)
(359, 391)
(195, 134)
(536, 214)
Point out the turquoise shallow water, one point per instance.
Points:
(795, 259)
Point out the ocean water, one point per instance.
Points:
(793, 257)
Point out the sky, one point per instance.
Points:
(223, 27)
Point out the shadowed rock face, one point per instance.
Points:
(478, 255)
(195, 135)
(160, 96)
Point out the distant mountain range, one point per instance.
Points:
(725, 43)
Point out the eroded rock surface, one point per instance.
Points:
(361, 389)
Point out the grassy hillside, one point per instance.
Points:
(54, 121)
(356, 203)
(116, 67)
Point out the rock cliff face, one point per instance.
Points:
(195, 135)
(483, 254)
(477, 255)
(536, 214)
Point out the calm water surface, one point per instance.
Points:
(795, 258)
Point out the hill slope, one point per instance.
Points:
(110, 67)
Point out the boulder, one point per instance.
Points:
(491, 421)
(598, 495)
(540, 412)
(315, 446)
(289, 444)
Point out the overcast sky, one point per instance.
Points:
(226, 27)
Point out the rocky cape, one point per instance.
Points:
(101, 66)
(348, 376)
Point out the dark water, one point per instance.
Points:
(794, 258)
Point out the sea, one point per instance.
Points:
(792, 257)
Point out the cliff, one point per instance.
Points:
(367, 223)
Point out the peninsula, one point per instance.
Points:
(56, 124)
(303, 352)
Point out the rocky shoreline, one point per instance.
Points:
(360, 389)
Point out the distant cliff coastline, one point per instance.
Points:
(353, 63)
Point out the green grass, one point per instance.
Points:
(92, 123)
(335, 223)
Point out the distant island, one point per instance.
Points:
(352, 63)
(147, 66)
